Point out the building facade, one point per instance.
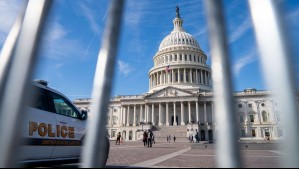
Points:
(181, 96)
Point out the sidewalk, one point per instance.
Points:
(180, 155)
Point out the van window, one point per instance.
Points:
(63, 106)
(40, 99)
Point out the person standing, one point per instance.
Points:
(118, 138)
(145, 138)
(149, 138)
(174, 138)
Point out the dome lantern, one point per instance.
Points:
(178, 21)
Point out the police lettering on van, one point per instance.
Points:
(53, 127)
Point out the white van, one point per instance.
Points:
(54, 128)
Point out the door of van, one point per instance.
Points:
(72, 128)
(39, 128)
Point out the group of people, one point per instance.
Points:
(169, 138)
(191, 138)
(148, 138)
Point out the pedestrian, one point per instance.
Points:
(153, 139)
(167, 138)
(149, 138)
(174, 138)
(145, 138)
(118, 138)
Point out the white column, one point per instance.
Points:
(190, 74)
(124, 116)
(153, 114)
(161, 80)
(179, 77)
(146, 113)
(174, 114)
(172, 76)
(120, 116)
(182, 114)
(167, 115)
(128, 116)
(189, 108)
(160, 114)
(201, 77)
(205, 113)
(206, 77)
(134, 118)
(184, 76)
(168, 74)
(197, 113)
(141, 113)
(111, 115)
(196, 76)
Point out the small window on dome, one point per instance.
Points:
(190, 59)
(185, 57)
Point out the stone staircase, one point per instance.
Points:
(161, 133)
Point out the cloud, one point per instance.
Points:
(124, 67)
(57, 44)
(200, 32)
(244, 61)
(240, 31)
(91, 16)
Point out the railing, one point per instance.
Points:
(18, 61)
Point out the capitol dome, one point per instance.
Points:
(180, 62)
(178, 38)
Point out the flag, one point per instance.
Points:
(167, 69)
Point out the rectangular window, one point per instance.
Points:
(113, 133)
(240, 105)
(253, 133)
(114, 120)
(63, 106)
(251, 118)
(241, 119)
(250, 105)
(242, 133)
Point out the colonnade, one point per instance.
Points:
(164, 113)
(177, 75)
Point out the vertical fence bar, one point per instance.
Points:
(226, 138)
(273, 47)
(95, 149)
(16, 85)
(6, 54)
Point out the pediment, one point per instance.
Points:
(170, 92)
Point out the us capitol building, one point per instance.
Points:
(180, 99)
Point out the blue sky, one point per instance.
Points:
(74, 30)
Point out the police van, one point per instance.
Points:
(54, 128)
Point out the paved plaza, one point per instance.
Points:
(180, 155)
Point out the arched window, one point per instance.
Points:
(265, 116)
